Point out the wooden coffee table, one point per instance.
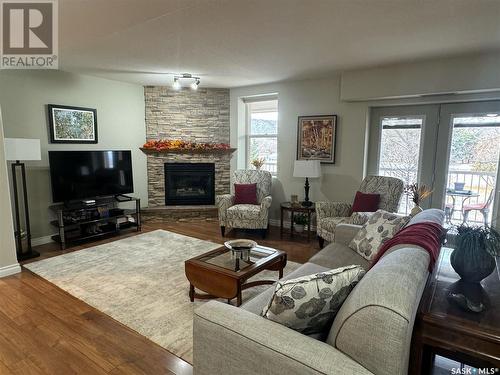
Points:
(222, 274)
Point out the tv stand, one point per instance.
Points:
(123, 198)
(78, 221)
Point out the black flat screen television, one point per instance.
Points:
(77, 175)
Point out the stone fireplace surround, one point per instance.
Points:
(156, 177)
(197, 116)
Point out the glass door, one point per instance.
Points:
(402, 145)
(467, 163)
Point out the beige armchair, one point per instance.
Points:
(247, 216)
(331, 214)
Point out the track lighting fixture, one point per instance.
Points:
(186, 76)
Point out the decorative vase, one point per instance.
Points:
(415, 210)
(472, 263)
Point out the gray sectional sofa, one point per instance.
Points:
(371, 333)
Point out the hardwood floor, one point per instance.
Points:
(44, 330)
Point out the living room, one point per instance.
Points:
(189, 171)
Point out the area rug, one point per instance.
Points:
(140, 282)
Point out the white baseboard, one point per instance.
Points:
(41, 240)
(10, 270)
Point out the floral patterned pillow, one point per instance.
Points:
(309, 304)
(381, 226)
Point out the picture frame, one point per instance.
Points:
(69, 124)
(316, 138)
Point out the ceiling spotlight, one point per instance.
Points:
(176, 85)
(194, 85)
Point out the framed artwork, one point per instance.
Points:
(72, 124)
(316, 138)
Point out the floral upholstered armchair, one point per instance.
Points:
(247, 216)
(331, 214)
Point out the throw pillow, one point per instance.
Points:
(380, 227)
(364, 202)
(309, 304)
(245, 193)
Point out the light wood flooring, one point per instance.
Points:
(44, 330)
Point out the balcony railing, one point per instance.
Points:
(479, 183)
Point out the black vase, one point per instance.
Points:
(472, 263)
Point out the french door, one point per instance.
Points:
(452, 148)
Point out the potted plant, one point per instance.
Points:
(417, 193)
(258, 163)
(474, 255)
(300, 221)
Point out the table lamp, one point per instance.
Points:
(17, 149)
(308, 169)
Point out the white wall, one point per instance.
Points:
(310, 97)
(8, 259)
(325, 96)
(24, 96)
(460, 74)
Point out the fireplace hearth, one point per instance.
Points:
(189, 184)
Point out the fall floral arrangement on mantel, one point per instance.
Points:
(177, 145)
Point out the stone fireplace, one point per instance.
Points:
(189, 183)
(200, 116)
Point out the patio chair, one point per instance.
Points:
(484, 208)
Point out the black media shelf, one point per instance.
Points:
(82, 222)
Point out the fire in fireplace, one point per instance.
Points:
(189, 183)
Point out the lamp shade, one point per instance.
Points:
(22, 149)
(307, 168)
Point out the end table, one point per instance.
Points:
(445, 329)
(287, 206)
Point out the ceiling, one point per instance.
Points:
(233, 43)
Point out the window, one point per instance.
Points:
(262, 134)
(400, 151)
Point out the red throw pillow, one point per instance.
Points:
(364, 202)
(245, 193)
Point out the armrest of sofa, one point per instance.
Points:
(228, 340)
(332, 209)
(344, 233)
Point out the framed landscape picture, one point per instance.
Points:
(72, 124)
(316, 138)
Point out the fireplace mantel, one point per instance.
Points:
(149, 151)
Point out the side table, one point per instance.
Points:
(287, 206)
(445, 329)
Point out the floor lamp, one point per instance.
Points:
(17, 149)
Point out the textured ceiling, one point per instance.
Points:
(242, 42)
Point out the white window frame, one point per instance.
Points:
(249, 135)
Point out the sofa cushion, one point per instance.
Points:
(338, 255)
(245, 193)
(381, 226)
(308, 304)
(257, 304)
(246, 211)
